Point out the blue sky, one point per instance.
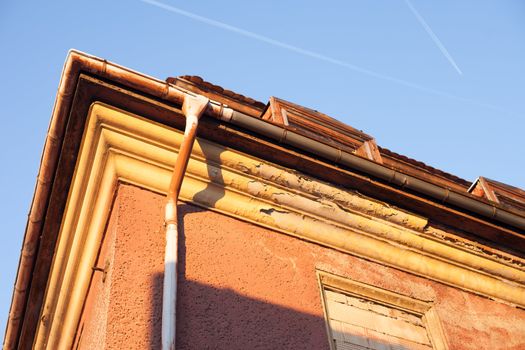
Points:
(438, 81)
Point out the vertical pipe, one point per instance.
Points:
(193, 107)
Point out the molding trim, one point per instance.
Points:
(121, 147)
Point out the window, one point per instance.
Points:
(363, 317)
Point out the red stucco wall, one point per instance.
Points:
(245, 287)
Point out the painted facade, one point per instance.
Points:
(278, 249)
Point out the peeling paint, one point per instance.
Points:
(475, 247)
(312, 198)
(344, 198)
(270, 211)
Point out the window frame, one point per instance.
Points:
(425, 309)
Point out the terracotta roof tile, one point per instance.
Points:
(203, 84)
(424, 166)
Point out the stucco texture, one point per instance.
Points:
(245, 287)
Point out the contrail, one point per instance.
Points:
(289, 47)
(319, 56)
(434, 37)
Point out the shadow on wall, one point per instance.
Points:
(214, 190)
(217, 318)
(222, 318)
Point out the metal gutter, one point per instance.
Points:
(48, 164)
(376, 170)
(78, 62)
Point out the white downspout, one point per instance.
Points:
(193, 107)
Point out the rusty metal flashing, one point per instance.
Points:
(77, 63)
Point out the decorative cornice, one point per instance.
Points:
(118, 146)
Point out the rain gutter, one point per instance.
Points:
(335, 155)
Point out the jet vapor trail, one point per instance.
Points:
(286, 46)
(434, 37)
(319, 56)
